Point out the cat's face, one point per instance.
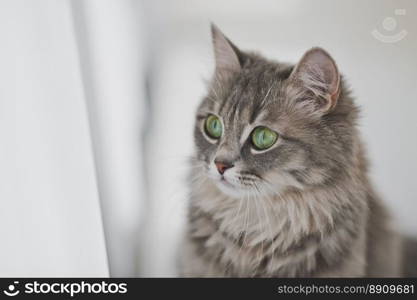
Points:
(266, 127)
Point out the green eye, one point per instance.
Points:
(214, 127)
(263, 138)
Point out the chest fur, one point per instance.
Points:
(271, 237)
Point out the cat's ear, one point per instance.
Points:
(227, 56)
(317, 72)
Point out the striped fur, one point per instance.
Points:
(305, 207)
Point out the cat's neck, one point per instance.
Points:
(283, 218)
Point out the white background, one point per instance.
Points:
(96, 123)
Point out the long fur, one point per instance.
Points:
(303, 208)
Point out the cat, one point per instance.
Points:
(279, 183)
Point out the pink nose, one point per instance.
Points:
(222, 166)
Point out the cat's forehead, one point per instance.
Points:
(254, 96)
(254, 100)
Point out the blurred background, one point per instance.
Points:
(97, 106)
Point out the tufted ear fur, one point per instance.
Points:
(317, 72)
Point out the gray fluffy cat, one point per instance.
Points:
(279, 183)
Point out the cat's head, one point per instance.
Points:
(265, 127)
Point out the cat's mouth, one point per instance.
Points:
(234, 187)
(235, 183)
(226, 182)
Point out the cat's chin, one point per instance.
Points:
(234, 191)
(238, 192)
